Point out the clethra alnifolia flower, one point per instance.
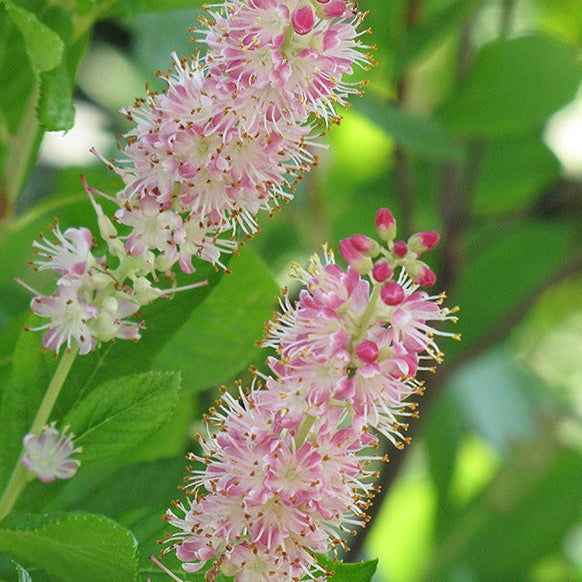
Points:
(284, 470)
(49, 456)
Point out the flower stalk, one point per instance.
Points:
(20, 476)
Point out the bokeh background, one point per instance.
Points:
(471, 125)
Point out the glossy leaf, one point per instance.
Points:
(513, 87)
(44, 47)
(71, 546)
(424, 137)
(219, 337)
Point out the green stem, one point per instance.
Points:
(20, 476)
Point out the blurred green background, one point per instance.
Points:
(471, 125)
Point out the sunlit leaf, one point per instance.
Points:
(513, 87)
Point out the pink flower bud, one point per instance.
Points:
(335, 8)
(423, 241)
(385, 224)
(365, 245)
(367, 351)
(421, 274)
(392, 293)
(303, 19)
(400, 248)
(354, 258)
(382, 271)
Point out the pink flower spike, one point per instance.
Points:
(365, 245)
(48, 456)
(421, 274)
(423, 241)
(303, 19)
(385, 224)
(400, 248)
(382, 271)
(367, 351)
(392, 293)
(354, 258)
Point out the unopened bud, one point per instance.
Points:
(423, 241)
(392, 293)
(303, 19)
(367, 351)
(400, 248)
(365, 245)
(382, 271)
(354, 258)
(385, 224)
(421, 274)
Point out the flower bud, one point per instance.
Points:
(423, 241)
(365, 245)
(382, 271)
(421, 274)
(354, 258)
(367, 351)
(48, 455)
(303, 19)
(400, 248)
(385, 224)
(392, 293)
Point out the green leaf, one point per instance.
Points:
(21, 397)
(424, 137)
(357, 572)
(17, 77)
(513, 87)
(522, 516)
(507, 265)
(513, 170)
(71, 546)
(219, 338)
(55, 108)
(44, 47)
(422, 39)
(119, 414)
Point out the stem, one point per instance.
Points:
(20, 476)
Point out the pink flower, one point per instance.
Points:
(69, 317)
(48, 456)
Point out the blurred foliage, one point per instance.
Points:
(451, 135)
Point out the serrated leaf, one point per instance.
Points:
(44, 47)
(424, 137)
(513, 87)
(121, 413)
(71, 546)
(219, 338)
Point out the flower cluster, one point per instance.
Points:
(284, 472)
(48, 456)
(227, 138)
